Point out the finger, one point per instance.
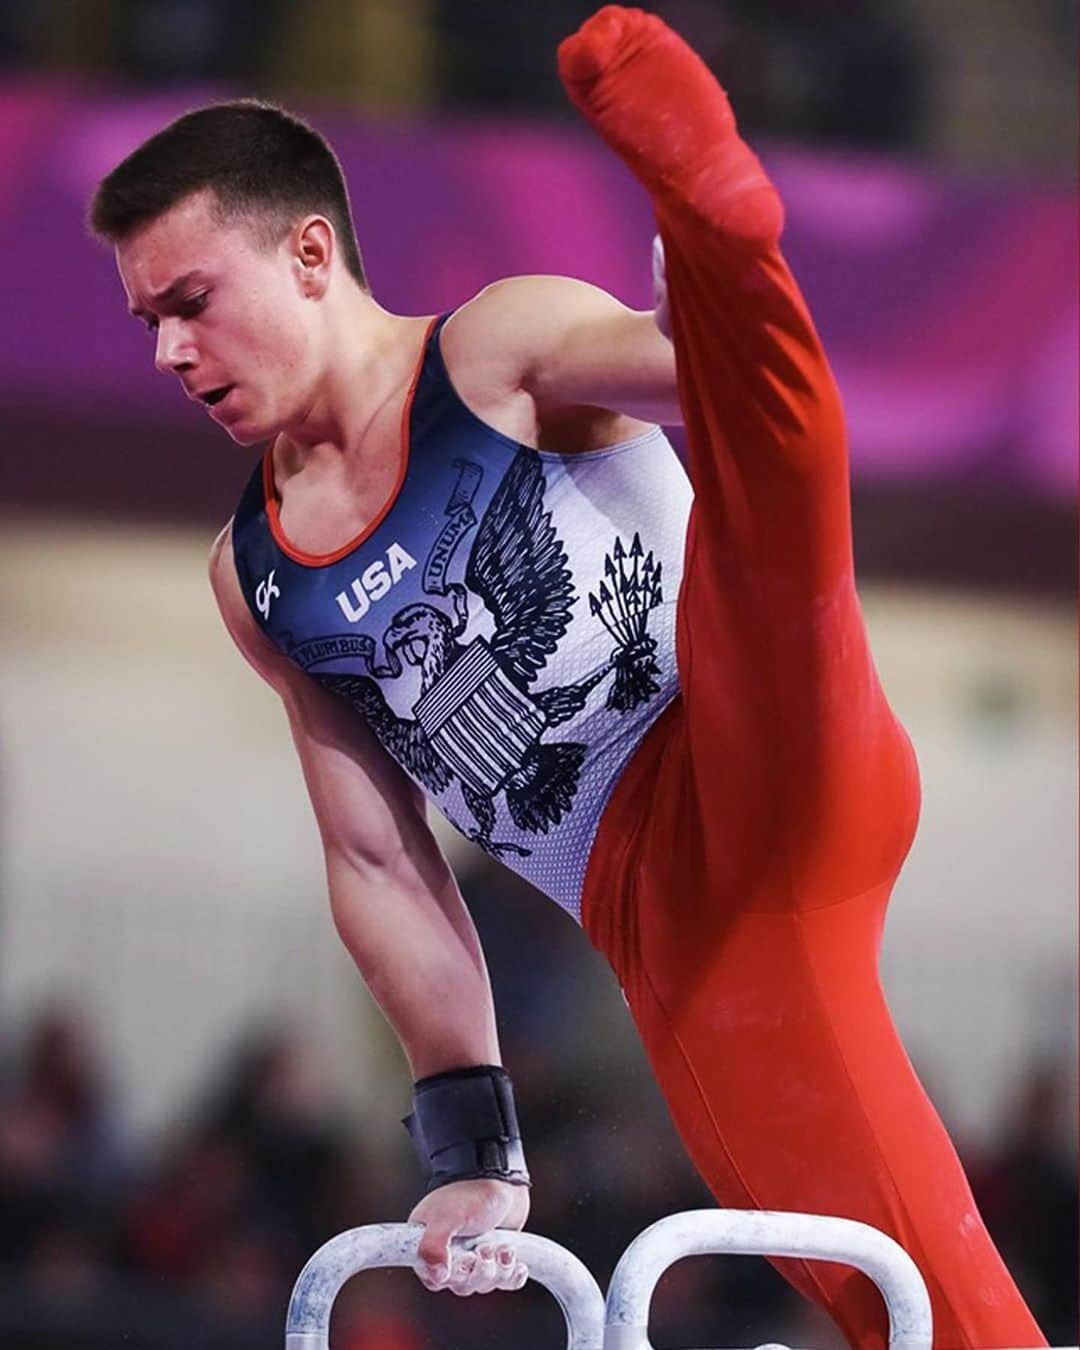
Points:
(519, 1277)
(462, 1269)
(433, 1278)
(485, 1275)
(433, 1249)
(433, 1275)
(504, 1263)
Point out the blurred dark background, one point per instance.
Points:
(194, 1090)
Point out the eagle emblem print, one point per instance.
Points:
(478, 718)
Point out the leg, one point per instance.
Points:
(768, 605)
(771, 1040)
(750, 959)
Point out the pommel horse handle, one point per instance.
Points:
(765, 1233)
(394, 1244)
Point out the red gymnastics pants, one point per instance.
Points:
(739, 879)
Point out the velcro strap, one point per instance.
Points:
(464, 1125)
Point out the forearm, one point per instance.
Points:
(416, 947)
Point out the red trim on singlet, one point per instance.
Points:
(324, 559)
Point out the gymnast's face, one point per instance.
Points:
(232, 319)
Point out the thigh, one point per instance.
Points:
(799, 765)
(806, 783)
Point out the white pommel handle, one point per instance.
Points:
(307, 1326)
(765, 1233)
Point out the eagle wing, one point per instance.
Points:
(405, 740)
(518, 567)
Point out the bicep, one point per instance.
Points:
(369, 812)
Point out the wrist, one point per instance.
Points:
(464, 1127)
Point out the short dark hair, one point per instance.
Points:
(261, 163)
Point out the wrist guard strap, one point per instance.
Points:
(464, 1126)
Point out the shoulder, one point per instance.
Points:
(236, 616)
(515, 322)
(537, 296)
(530, 304)
(225, 584)
(223, 579)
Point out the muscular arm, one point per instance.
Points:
(566, 343)
(394, 899)
(399, 912)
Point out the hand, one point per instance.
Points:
(470, 1209)
(661, 307)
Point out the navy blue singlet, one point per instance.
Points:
(506, 627)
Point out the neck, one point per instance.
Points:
(370, 357)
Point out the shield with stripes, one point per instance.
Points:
(480, 723)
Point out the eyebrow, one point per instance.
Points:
(168, 294)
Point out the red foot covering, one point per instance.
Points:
(740, 875)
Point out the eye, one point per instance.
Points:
(189, 308)
(195, 304)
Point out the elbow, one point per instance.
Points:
(379, 896)
(380, 846)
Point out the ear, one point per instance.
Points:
(313, 250)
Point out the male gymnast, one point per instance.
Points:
(472, 567)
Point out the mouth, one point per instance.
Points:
(214, 396)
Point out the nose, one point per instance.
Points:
(174, 351)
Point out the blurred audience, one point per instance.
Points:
(201, 1241)
(1026, 1189)
(163, 42)
(63, 1159)
(849, 72)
